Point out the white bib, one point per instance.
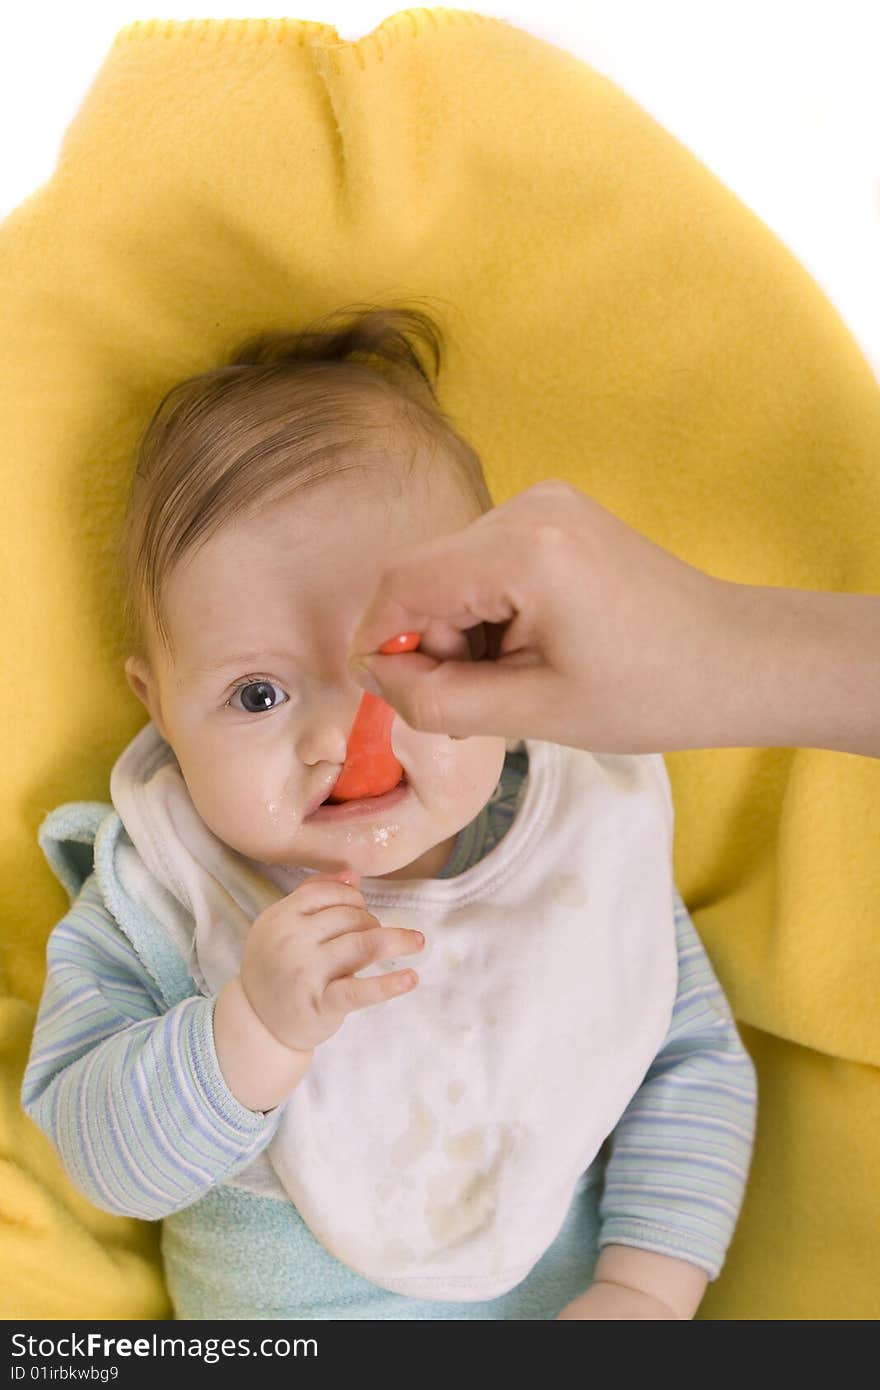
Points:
(436, 1140)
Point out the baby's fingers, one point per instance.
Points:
(360, 948)
(344, 995)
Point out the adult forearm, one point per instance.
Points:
(793, 668)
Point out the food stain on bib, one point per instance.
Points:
(461, 1202)
(464, 1147)
(569, 890)
(455, 1090)
(398, 1252)
(417, 1138)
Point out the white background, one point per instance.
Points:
(780, 98)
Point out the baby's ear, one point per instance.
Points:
(138, 678)
(142, 682)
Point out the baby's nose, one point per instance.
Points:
(370, 767)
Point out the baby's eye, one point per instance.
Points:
(256, 697)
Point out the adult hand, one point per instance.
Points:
(581, 630)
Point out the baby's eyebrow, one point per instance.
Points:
(228, 663)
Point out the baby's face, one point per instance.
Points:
(274, 601)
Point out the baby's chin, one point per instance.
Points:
(383, 858)
(384, 848)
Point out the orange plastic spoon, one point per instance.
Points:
(370, 767)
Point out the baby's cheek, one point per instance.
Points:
(462, 776)
(241, 806)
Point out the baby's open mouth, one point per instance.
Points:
(360, 807)
(404, 781)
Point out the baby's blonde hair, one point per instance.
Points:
(286, 410)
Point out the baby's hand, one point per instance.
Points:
(301, 955)
(614, 1303)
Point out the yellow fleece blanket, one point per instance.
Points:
(616, 317)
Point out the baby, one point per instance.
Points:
(454, 1051)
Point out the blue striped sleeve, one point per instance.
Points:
(131, 1094)
(681, 1152)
